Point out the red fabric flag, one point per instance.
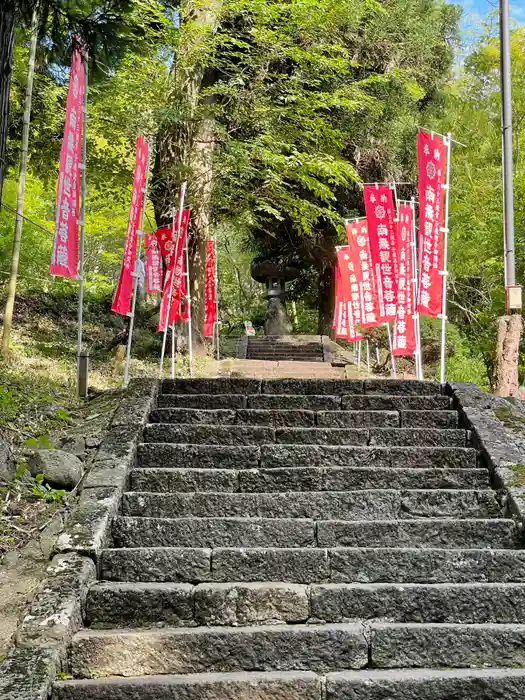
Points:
(345, 321)
(404, 342)
(210, 299)
(380, 214)
(167, 237)
(153, 265)
(174, 257)
(366, 301)
(64, 258)
(122, 300)
(432, 173)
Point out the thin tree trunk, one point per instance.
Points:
(11, 289)
(506, 382)
(7, 43)
(326, 287)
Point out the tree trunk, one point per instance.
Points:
(11, 289)
(7, 43)
(185, 147)
(326, 287)
(506, 382)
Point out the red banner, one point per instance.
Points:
(210, 299)
(432, 173)
(167, 237)
(64, 258)
(174, 257)
(365, 297)
(345, 321)
(122, 300)
(404, 342)
(153, 265)
(380, 214)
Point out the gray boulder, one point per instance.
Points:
(60, 469)
(7, 461)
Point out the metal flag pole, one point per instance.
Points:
(82, 390)
(368, 355)
(188, 301)
(173, 351)
(444, 271)
(393, 359)
(417, 330)
(136, 274)
(170, 294)
(378, 356)
(359, 355)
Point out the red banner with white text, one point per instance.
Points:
(122, 300)
(173, 252)
(432, 173)
(380, 214)
(345, 282)
(210, 298)
(404, 342)
(64, 258)
(153, 264)
(366, 294)
(167, 236)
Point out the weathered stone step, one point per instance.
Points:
(313, 565)
(449, 534)
(305, 479)
(426, 684)
(279, 685)
(377, 504)
(214, 532)
(320, 648)
(262, 435)
(332, 387)
(171, 455)
(311, 402)
(259, 603)
(470, 603)
(408, 645)
(497, 533)
(295, 418)
(181, 604)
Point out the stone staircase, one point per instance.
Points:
(278, 348)
(305, 540)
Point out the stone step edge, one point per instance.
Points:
(366, 677)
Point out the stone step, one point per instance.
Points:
(320, 648)
(262, 435)
(470, 603)
(352, 402)
(240, 417)
(116, 604)
(377, 504)
(449, 534)
(425, 684)
(181, 604)
(313, 565)
(214, 532)
(332, 387)
(496, 533)
(279, 685)
(170, 455)
(409, 645)
(305, 479)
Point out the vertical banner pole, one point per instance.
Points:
(391, 349)
(378, 356)
(359, 356)
(417, 330)
(170, 295)
(173, 351)
(82, 226)
(188, 301)
(368, 355)
(136, 273)
(444, 271)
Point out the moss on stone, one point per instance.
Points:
(519, 479)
